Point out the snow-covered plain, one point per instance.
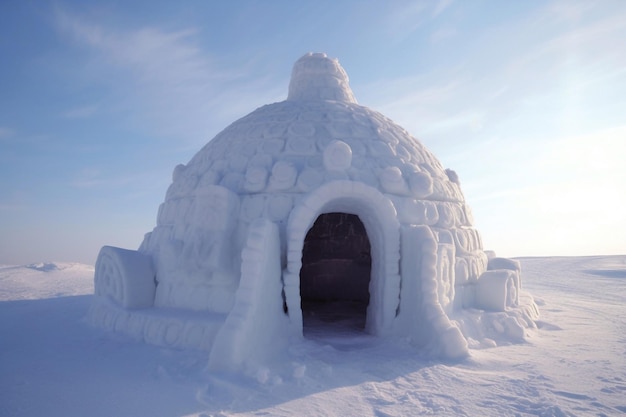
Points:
(53, 363)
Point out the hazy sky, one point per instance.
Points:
(99, 101)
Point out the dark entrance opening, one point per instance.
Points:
(335, 274)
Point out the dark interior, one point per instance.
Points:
(335, 274)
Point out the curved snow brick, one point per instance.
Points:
(496, 290)
(513, 265)
(445, 274)
(392, 181)
(446, 215)
(337, 156)
(126, 276)
(283, 176)
(461, 271)
(421, 184)
(256, 178)
(504, 263)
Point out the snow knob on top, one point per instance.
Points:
(315, 76)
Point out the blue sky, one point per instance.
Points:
(99, 101)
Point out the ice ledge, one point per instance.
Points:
(315, 76)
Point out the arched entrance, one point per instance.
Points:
(335, 273)
(378, 215)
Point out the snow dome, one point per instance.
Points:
(309, 211)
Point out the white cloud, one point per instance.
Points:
(595, 158)
(569, 190)
(406, 17)
(570, 11)
(164, 80)
(521, 69)
(584, 44)
(440, 7)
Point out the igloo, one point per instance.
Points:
(302, 205)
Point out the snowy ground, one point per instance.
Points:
(53, 364)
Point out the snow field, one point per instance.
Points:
(53, 363)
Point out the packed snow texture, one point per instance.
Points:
(258, 312)
(287, 163)
(52, 363)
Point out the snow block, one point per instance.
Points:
(410, 211)
(513, 265)
(503, 263)
(283, 176)
(337, 156)
(413, 264)
(432, 215)
(461, 271)
(446, 215)
(256, 179)
(126, 276)
(421, 184)
(422, 316)
(256, 327)
(496, 290)
(445, 273)
(392, 181)
(309, 179)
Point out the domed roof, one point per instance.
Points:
(318, 134)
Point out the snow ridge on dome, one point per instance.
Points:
(315, 76)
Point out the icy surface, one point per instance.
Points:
(53, 364)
